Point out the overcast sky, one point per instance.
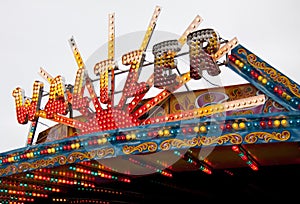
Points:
(35, 34)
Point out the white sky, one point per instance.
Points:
(35, 33)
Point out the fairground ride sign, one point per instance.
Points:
(205, 49)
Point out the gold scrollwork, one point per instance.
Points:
(266, 136)
(277, 77)
(150, 146)
(78, 155)
(178, 143)
(24, 166)
(104, 152)
(61, 159)
(10, 169)
(13, 169)
(233, 138)
(41, 163)
(92, 154)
